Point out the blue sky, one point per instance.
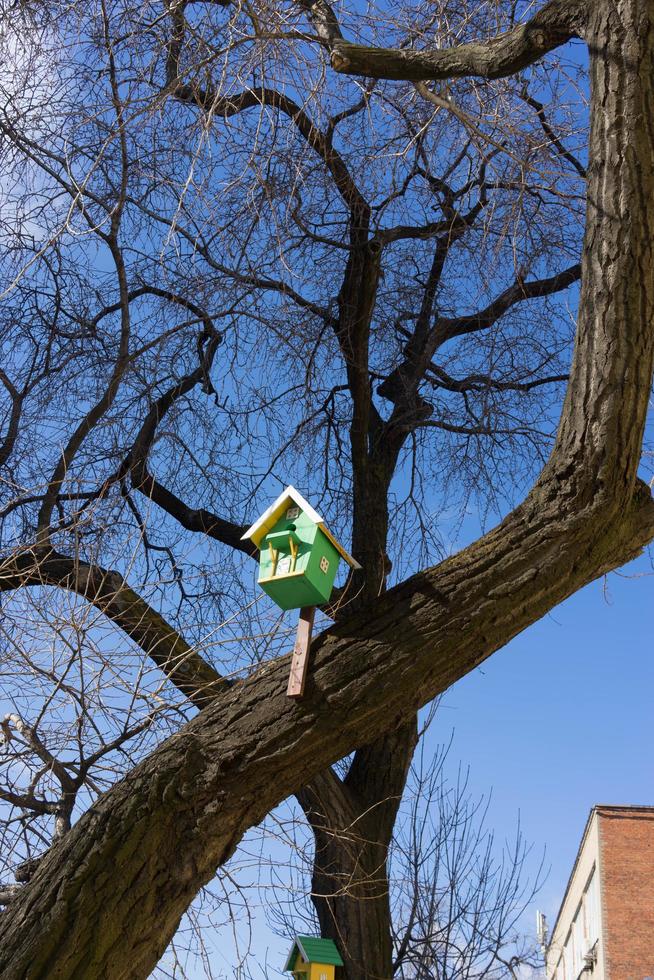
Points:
(560, 719)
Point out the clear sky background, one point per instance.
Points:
(561, 719)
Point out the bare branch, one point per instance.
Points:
(227, 106)
(557, 22)
(14, 418)
(448, 328)
(193, 519)
(552, 136)
(481, 382)
(108, 592)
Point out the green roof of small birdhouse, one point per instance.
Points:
(313, 950)
(290, 497)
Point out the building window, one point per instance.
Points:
(568, 957)
(591, 908)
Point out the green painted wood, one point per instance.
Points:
(315, 570)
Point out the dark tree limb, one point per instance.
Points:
(352, 821)
(484, 382)
(109, 592)
(193, 519)
(552, 136)
(447, 328)
(230, 105)
(557, 22)
(16, 398)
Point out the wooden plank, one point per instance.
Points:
(300, 658)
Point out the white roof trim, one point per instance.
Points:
(296, 945)
(289, 494)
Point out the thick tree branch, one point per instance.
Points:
(230, 105)
(109, 592)
(7, 445)
(323, 20)
(193, 519)
(378, 774)
(553, 137)
(557, 22)
(252, 748)
(401, 385)
(27, 801)
(483, 382)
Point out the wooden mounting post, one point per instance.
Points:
(300, 659)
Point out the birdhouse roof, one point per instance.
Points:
(313, 950)
(269, 518)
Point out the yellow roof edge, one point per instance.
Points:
(272, 514)
(339, 547)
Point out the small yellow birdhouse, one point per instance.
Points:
(311, 958)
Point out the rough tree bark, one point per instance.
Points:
(352, 821)
(108, 897)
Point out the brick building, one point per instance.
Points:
(605, 926)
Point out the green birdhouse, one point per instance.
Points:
(311, 958)
(298, 554)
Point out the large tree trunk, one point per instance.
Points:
(107, 898)
(352, 821)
